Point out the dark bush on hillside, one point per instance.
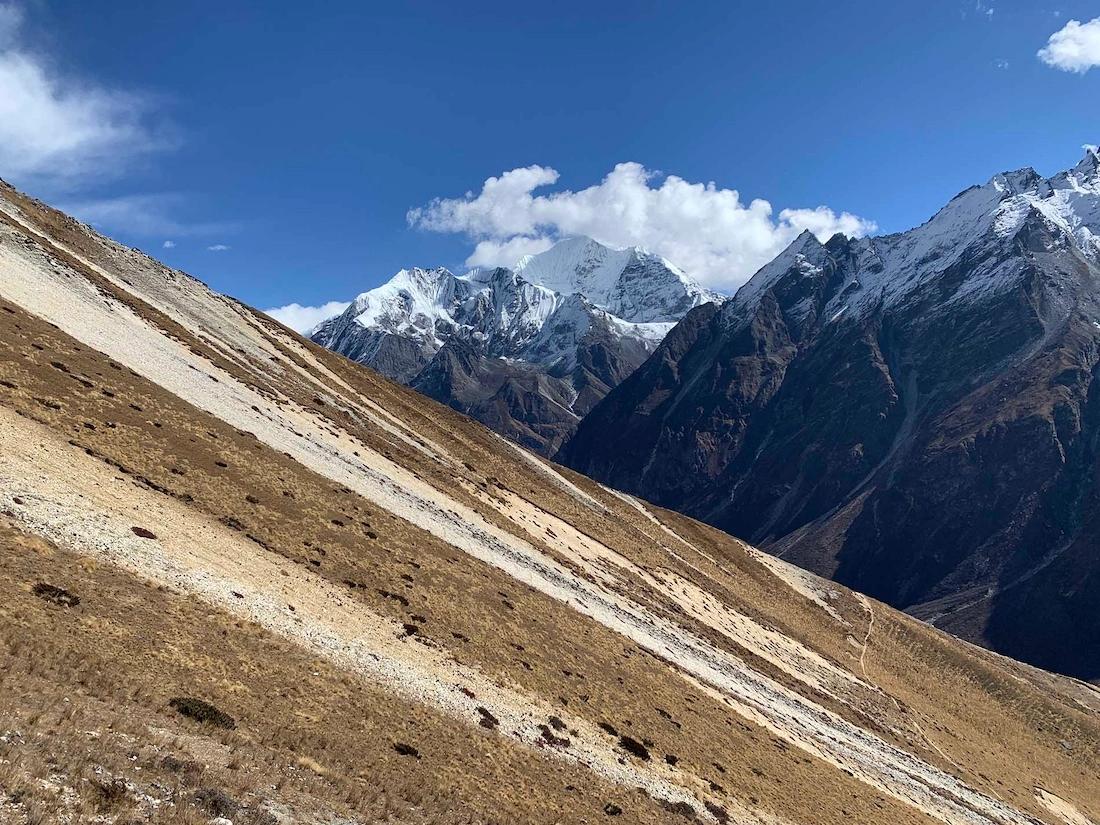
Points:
(202, 711)
(487, 719)
(56, 595)
(718, 812)
(216, 802)
(633, 746)
(110, 794)
(683, 809)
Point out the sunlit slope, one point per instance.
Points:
(403, 612)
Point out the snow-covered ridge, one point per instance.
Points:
(632, 283)
(537, 311)
(978, 225)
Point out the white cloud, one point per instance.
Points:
(825, 223)
(506, 253)
(303, 319)
(60, 129)
(218, 247)
(169, 244)
(1073, 48)
(1001, 63)
(707, 230)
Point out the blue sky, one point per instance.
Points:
(279, 147)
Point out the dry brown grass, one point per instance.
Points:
(88, 727)
(324, 741)
(481, 615)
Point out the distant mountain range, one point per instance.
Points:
(915, 415)
(527, 350)
(244, 580)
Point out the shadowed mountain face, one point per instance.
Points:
(915, 416)
(527, 351)
(243, 577)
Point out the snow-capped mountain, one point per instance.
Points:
(892, 270)
(567, 324)
(447, 628)
(916, 415)
(631, 284)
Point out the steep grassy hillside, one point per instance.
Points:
(241, 576)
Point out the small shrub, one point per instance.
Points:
(216, 802)
(56, 595)
(633, 746)
(718, 812)
(550, 739)
(110, 794)
(487, 719)
(684, 809)
(397, 597)
(202, 711)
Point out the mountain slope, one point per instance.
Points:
(392, 613)
(555, 334)
(913, 415)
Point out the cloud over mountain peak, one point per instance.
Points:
(707, 229)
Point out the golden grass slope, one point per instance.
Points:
(402, 612)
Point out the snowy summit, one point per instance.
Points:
(566, 325)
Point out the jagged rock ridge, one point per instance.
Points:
(914, 415)
(527, 350)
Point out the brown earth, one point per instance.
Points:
(396, 558)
